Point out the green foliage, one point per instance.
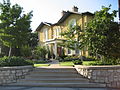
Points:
(26, 51)
(14, 26)
(14, 61)
(40, 52)
(41, 61)
(72, 37)
(33, 40)
(77, 62)
(102, 35)
(106, 61)
(68, 58)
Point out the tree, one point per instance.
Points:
(72, 37)
(14, 25)
(33, 40)
(102, 35)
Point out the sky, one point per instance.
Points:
(50, 10)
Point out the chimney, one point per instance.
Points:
(75, 9)
(63, 12)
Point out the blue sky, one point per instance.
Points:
(50, 10)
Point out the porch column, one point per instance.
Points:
(55, 49)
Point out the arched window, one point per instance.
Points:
(72, 22)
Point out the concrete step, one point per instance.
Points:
(55, 71)
(80, 85)
(56, 80)
(54, 76)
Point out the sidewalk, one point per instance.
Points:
(55, 64)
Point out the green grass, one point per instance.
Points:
(39, 65)
(87, 63)
(66, 63)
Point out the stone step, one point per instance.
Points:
(80, 85)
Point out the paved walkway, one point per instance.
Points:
(55, 64)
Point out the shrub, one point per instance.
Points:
(40, 52)
(41, 61)
(106, 62)
(14, 61)
(77, 62)
(70, 58)
(26, 51)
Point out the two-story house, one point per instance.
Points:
(49, 34)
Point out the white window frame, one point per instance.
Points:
(57, 32)
(46, 34)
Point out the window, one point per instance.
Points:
(57, 32)
(77, 51)
(85, 24)
(45, 34)
(72, 22)
(69, 51)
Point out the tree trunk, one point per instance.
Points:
(10, 51)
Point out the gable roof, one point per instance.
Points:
(62, 19)
(42, 24)
(68, 13)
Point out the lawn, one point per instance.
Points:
(39, 65)
(67, 63)
(70, 63)
(87, 63)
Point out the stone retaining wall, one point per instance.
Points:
(109, 75)
(12, 74)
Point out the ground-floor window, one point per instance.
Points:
(69, 51)
(77, 51)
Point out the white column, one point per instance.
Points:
(55, 50)
(0, 50)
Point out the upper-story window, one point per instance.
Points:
(45, 34)
(72, 22)
(57, 32)
(85, 24)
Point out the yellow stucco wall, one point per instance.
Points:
(81, 20)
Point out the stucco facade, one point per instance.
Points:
(49, 34)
